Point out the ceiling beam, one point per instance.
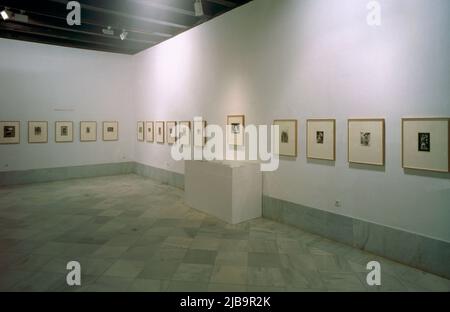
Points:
(8, 34)
(86, 29)
(167, 7)
(61, 34)
(127, 10)
(58, 10)
(224, 3)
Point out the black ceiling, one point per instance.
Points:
(148, 22)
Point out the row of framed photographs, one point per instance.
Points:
(425, 141)
(64, 131)
(166, 132)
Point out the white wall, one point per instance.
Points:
(43, 82)
(314, 58)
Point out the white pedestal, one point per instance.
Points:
(230, 191)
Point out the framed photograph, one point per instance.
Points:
(140, 131)
(287, 136)
(9, 132)
(37, 132)
(199, 133)
(63, 131)
(236, 130)
(366, 141)
(149, 135)
(321, 139)
(184, 134)
(110, 131)
(159, 132)
(88, 131)
(425, 144)
(171, 131)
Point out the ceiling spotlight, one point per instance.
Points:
(198, 6)
(123, 35)
(6, 14)
(108, 31)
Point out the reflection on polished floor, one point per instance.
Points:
(134, 234)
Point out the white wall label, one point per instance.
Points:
(74, 276)
(74, 16)
(374, 15)
(374, 276)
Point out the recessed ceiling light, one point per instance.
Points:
(6, 14)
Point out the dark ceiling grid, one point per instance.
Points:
(148, 22)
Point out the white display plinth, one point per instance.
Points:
(230, 191)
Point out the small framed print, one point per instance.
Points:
(149, 135)
(159, 132)
(287, 140)
(37, 132)
(236, 130)
(425, 144)
(63, 131)
(140, 131)
(321, 139)
(171, 131)
(199, 133)
(9, 132)
(88, 131)
(110, 131)
(366, 141)
(184, 133)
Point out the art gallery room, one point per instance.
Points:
(225, 146)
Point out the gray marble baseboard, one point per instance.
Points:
(64, 173)
(418, 251)
(161, 175)
(90, 171)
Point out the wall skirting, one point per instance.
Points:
(418, 251)
(90, 171)
(64, 173)
(161, 175)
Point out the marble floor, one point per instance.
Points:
(133, 234)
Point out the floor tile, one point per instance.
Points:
(342, 282)
(262, 276)
(237, 258)
(193, 272)
(200, 256)
(125, 268)
(109, 251)
(160, 270)
(227, 274)
(109, 284)
(260, 245)
(258, 259)
(181, 286)
(147, 285)
(213, 287)
(203, 243)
